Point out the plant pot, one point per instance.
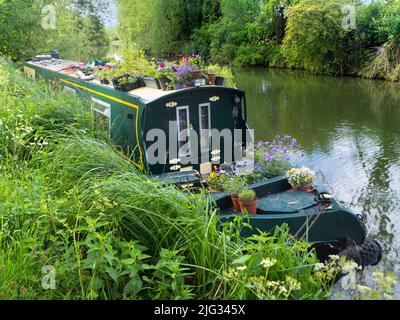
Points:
(133, 83)
(196, 74)
(151, 83)
(163, 82)
(210, 78)
(250, 207)
(236, 204)
(305, 188)
(189, 84)
(179, 86)
(219, 81)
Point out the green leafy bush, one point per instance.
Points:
(247, 196)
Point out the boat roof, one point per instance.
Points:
(66, 67)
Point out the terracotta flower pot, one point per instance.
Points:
(250, 207)
(304, 188)
(196, 74)
(236, 205)
(210, 78)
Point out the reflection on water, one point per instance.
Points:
(350, 131)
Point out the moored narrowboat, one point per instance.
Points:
(134, 118)
(137, 119)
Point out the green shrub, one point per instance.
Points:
(247, 196)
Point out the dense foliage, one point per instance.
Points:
(331, 36)
(30, 27)
(69, 201)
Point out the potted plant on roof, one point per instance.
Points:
(182, 77)
(150, 72)
(301, 179)
(248, 201)
(211, 73)
(225, 77)
(126, 82)
(165, 73)
(195, 61)
(105, 74)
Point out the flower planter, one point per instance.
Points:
(163, 82)
(250, 207)
(304, 188)
(130, 83)
(210, 78)
(151, 83)
(196, 74)
(236, 204)
(219, 81)
(179, 86)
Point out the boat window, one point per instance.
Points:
(182, 114)
(69, 90)
(205, 126)
(101, 113)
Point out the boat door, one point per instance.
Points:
(194, 129)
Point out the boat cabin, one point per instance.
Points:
(136, 120)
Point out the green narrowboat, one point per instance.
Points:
(131, 116)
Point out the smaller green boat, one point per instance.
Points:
(313, 216)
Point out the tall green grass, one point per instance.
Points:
(68, 200)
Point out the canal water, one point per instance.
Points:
(349, 130)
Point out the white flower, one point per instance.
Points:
(319, 266)
(350, 266)
(268, 263)
(241, 268)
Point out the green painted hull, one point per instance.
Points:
(310, 222)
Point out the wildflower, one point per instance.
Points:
(268, 263)
(350, 266)
(334, 257)
(272, 284)
(319, 266)
(293, 283)
(241, 268)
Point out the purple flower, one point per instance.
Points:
(268, 157)
(287, 158)
(258, 167)
(182, 70)
(293, 142)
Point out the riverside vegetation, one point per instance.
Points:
(68, 200)
(335, 37)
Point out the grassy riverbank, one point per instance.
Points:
(70, 203)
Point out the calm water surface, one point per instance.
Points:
(349, 130)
